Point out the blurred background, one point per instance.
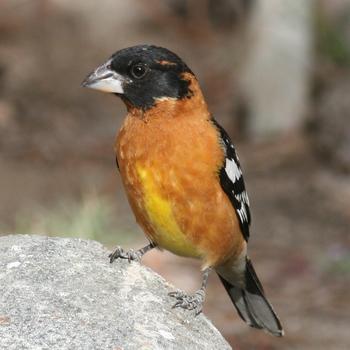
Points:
(276, 74)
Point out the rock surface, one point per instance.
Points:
(60, 293)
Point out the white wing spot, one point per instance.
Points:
(243, 197)
(244, 200)
(232, 170)
(243, 213)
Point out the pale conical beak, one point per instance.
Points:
(105, 79)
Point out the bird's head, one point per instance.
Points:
(143, 76)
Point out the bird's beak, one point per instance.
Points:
(103, 78)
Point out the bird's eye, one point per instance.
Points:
(138, 70)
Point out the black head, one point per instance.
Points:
(142, 75)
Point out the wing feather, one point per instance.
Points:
(232, 182)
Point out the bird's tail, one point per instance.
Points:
(251, 303)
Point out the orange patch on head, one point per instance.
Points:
(166, 63)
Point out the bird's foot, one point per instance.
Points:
(131, 255)
(189, 302)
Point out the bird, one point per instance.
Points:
(182, 177)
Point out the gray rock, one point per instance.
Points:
(62, 293)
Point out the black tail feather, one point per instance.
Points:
(251, 303)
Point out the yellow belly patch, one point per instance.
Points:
(159, 211)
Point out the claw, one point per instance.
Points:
(134, 255)
(199, 311)
(177, 304)
(177, 294)
(189, 302)
(130, 255)
(119, 253)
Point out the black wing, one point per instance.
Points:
(232, 182)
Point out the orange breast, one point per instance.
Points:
(170, 172)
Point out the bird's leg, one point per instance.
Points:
(131, 255)
(195, 301)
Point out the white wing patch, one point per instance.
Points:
(232, 170)
(244, 200)
(232, 182)
(234, 173)
(242, 212)
(243, 197)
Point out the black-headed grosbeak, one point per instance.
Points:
(182, 176)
